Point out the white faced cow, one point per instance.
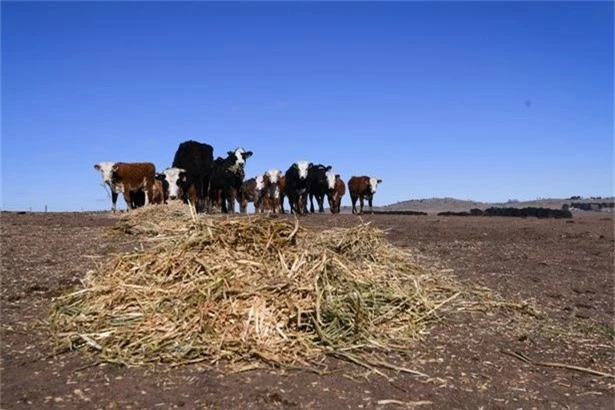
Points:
(129, 179)
(360, 188)
(171, 175)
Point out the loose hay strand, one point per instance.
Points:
(250, 289)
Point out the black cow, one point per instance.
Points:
(298, 186)
(226, 179)
(197, 159)
(319, 186)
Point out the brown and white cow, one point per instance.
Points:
(361, 187)
(127, 177)
(105, 169)
(282, 189)
(270, 191)
(336, 191)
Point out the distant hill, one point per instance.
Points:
(436, 205)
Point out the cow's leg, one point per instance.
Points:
(113, 200)
(369, 201)
(321, 201)
(282, 203)
(353, 199)
(361, 202)
(127, 198)
(231, 200)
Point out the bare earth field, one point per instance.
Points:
(563, 267)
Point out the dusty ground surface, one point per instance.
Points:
(563, 267)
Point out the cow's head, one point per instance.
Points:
(373, 184)
(274, 175)
(172, 176)
(330, 179)
(303, 167)
(241, 155)
(106, 169)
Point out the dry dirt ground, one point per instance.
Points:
(562, 267)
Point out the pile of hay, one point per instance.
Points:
(250, 289)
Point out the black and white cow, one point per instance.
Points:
(197, 160)
(318, 185)
(298, 186)
(226, 179)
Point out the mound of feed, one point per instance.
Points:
(250, 288)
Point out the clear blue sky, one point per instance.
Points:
(474, 100)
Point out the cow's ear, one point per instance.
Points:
(380, 181)
(310, 165)
(247, 154)
(329, 168)
(97, 167)
(161, 177)
(230, 153)
(295, 165)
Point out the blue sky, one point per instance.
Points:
(487, 101)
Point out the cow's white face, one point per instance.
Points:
(106, 169)
(303, 166)
(172, 176)
(373, 184)
(274, 175)
(260, 184)
(238, 154)
(330, 179)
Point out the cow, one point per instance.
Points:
(171, 176)
(336, 190)
(361, 187)
(226, 179)
(282, 191)
(196, 159)
(298, 186)
(250, 192)
(270, 191)
(318, 186)
(160, 190)
(105, 168)
(129, 177)
(186, 189)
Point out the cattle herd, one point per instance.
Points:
(215, 185)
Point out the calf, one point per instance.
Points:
(281, 189)
(186, 189)
(171, 175)
(160, 190)
(226, 179)
(250, 192)
(298, 186)
(318, 186)
(362, 187)
(336, 190)
(270, 191)
(136, 176)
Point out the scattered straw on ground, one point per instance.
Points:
(248, 290)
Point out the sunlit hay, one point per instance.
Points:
(251, 288)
